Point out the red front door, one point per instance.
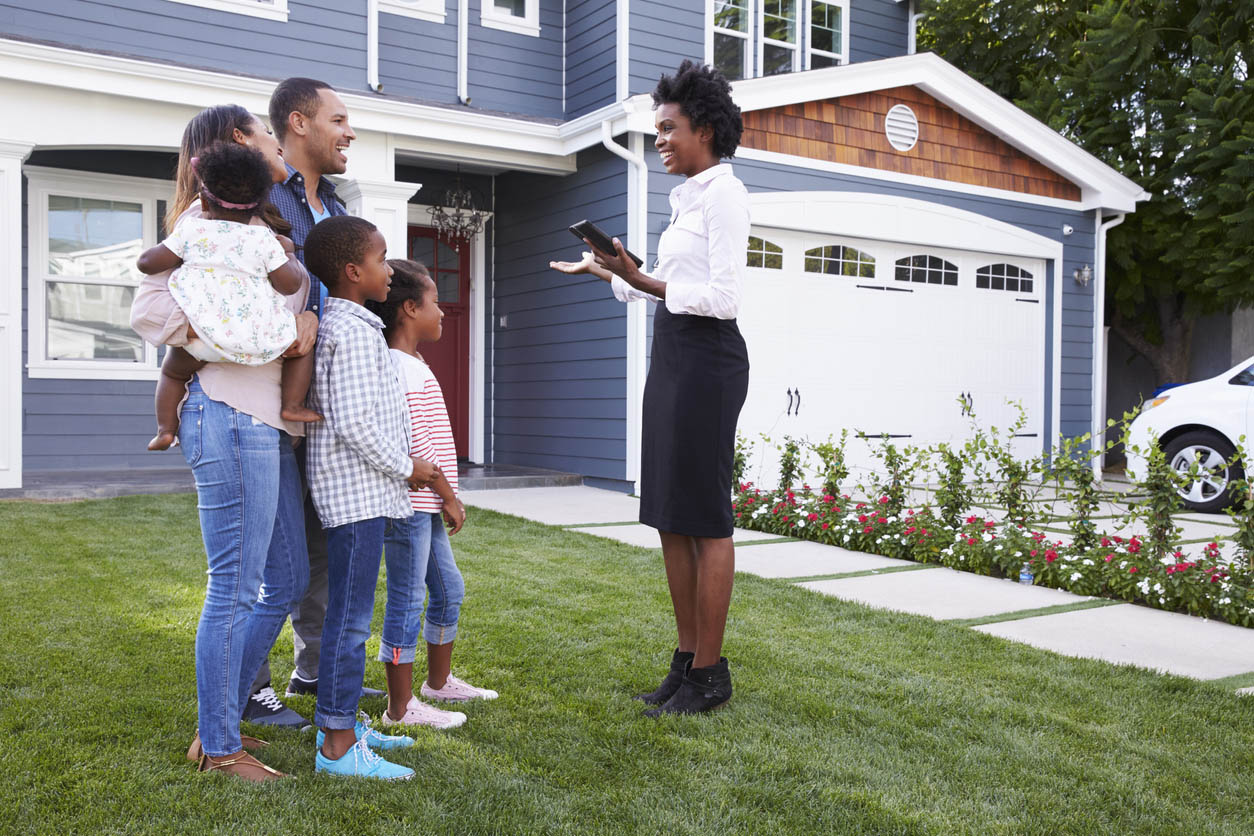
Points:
(449, 359)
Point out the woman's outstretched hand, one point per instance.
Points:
(587, 265)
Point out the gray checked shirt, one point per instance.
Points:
(359, 451)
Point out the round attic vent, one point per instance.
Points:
(901, 127)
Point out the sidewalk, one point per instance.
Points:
(1059, 621)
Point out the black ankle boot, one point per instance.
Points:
(703, 689)
(680, 663)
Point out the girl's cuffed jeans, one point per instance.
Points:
(236, 461)
(420, 562)
(354, 551)
(445, 588)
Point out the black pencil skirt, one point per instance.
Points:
(698, 378)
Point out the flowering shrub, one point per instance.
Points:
(1116, 567)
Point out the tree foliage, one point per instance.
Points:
(1158, 90)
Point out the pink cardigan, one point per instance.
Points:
(253, 390)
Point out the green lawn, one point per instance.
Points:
(845, 720)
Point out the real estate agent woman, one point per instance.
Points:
(698, 376)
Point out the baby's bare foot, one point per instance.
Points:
(163, 440)
(299, 414)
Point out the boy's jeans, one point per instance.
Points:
(237, 462)
(353, 554)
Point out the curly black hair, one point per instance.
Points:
(410, 279)
(335, 243)
(233, 173)
(704, 95)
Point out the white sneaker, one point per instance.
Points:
(418, 713)
(455, 690)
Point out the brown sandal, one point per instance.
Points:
(241, 765)
(251, 744)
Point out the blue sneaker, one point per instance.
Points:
(360, 762)
(375, 739)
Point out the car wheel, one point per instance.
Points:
(1212, 452)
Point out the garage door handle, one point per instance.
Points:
(789, 411)
(797, 411)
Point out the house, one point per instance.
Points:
(916, 239)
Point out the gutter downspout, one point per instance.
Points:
(372, 46)
(637, 313)
(1099, 338)
(463, 28)
(912, 44)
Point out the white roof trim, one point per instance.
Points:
(1101, 185)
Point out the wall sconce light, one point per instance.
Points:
(1083, 275)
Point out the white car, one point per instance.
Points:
(1203, 422)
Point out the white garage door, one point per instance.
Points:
(888, 338)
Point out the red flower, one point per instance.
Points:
(881, 519)
(785, 518)
(1131, 570)
(862, 518)
(1051, 556)
(970, 541)
(866, 530)
(1109, 557)
(883, 500)
(910, 530)
(1033, 552)
(812, 517)
(824, 526)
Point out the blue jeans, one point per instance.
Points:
(445, 588)
(405, 550)
(419, 550)
(236, 461)
(353, 555)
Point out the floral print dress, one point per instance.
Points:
(224, 289)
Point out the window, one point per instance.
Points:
(839, 260)
(85, 233)
(763, 253)
(731, 43)
(926, 269)
(522, 16)
(1004, 277)
(829, 30)
(270, 9)
(432, 10)
(780, 38)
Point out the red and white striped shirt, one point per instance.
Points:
(430, 433)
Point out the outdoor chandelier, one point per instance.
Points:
(455, 217)
(1083, 275)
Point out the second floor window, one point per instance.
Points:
(521, 16)
(828, 26)
(749, 38)
(780, 43)
(732, 45)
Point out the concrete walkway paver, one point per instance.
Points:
(579, 505)
(804, 559)
(1127, 634)
(1122, 633)
(943, 593)
(646, 537)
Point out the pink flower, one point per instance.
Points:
(1132, 570)
(1109, 557)
(1033, 552)
(883, 500)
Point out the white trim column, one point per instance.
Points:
(12, 155)
(385, 204)
(637, 312)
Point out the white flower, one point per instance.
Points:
(1075, 576)
(1087, 562)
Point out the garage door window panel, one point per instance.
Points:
(1003, 277)
(839, 260)
(763, 253)
(926, 269)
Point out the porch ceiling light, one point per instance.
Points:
(456, 217)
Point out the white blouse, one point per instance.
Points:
(702, 253)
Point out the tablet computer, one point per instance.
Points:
(587, 229)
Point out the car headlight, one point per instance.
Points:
(1159, 401)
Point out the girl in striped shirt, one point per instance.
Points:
(411, 315)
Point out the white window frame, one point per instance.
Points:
(430, 10)
(493, 18)
(751, 13)
(274, 10)
(42, 182)
(841, 59)
(763, 41)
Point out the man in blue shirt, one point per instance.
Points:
(311, 124)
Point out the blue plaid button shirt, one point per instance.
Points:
(359, 451)
(289, 198)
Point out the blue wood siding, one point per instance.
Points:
(88, 424)
(1079, 249)
(591, 50)
(418, 58)
(661, 36)
(516, 73)
(559, 362)
(321, 38)
(878, 29)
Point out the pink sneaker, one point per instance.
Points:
(418, 713)
(455, 690)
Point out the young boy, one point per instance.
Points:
(359, 465)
